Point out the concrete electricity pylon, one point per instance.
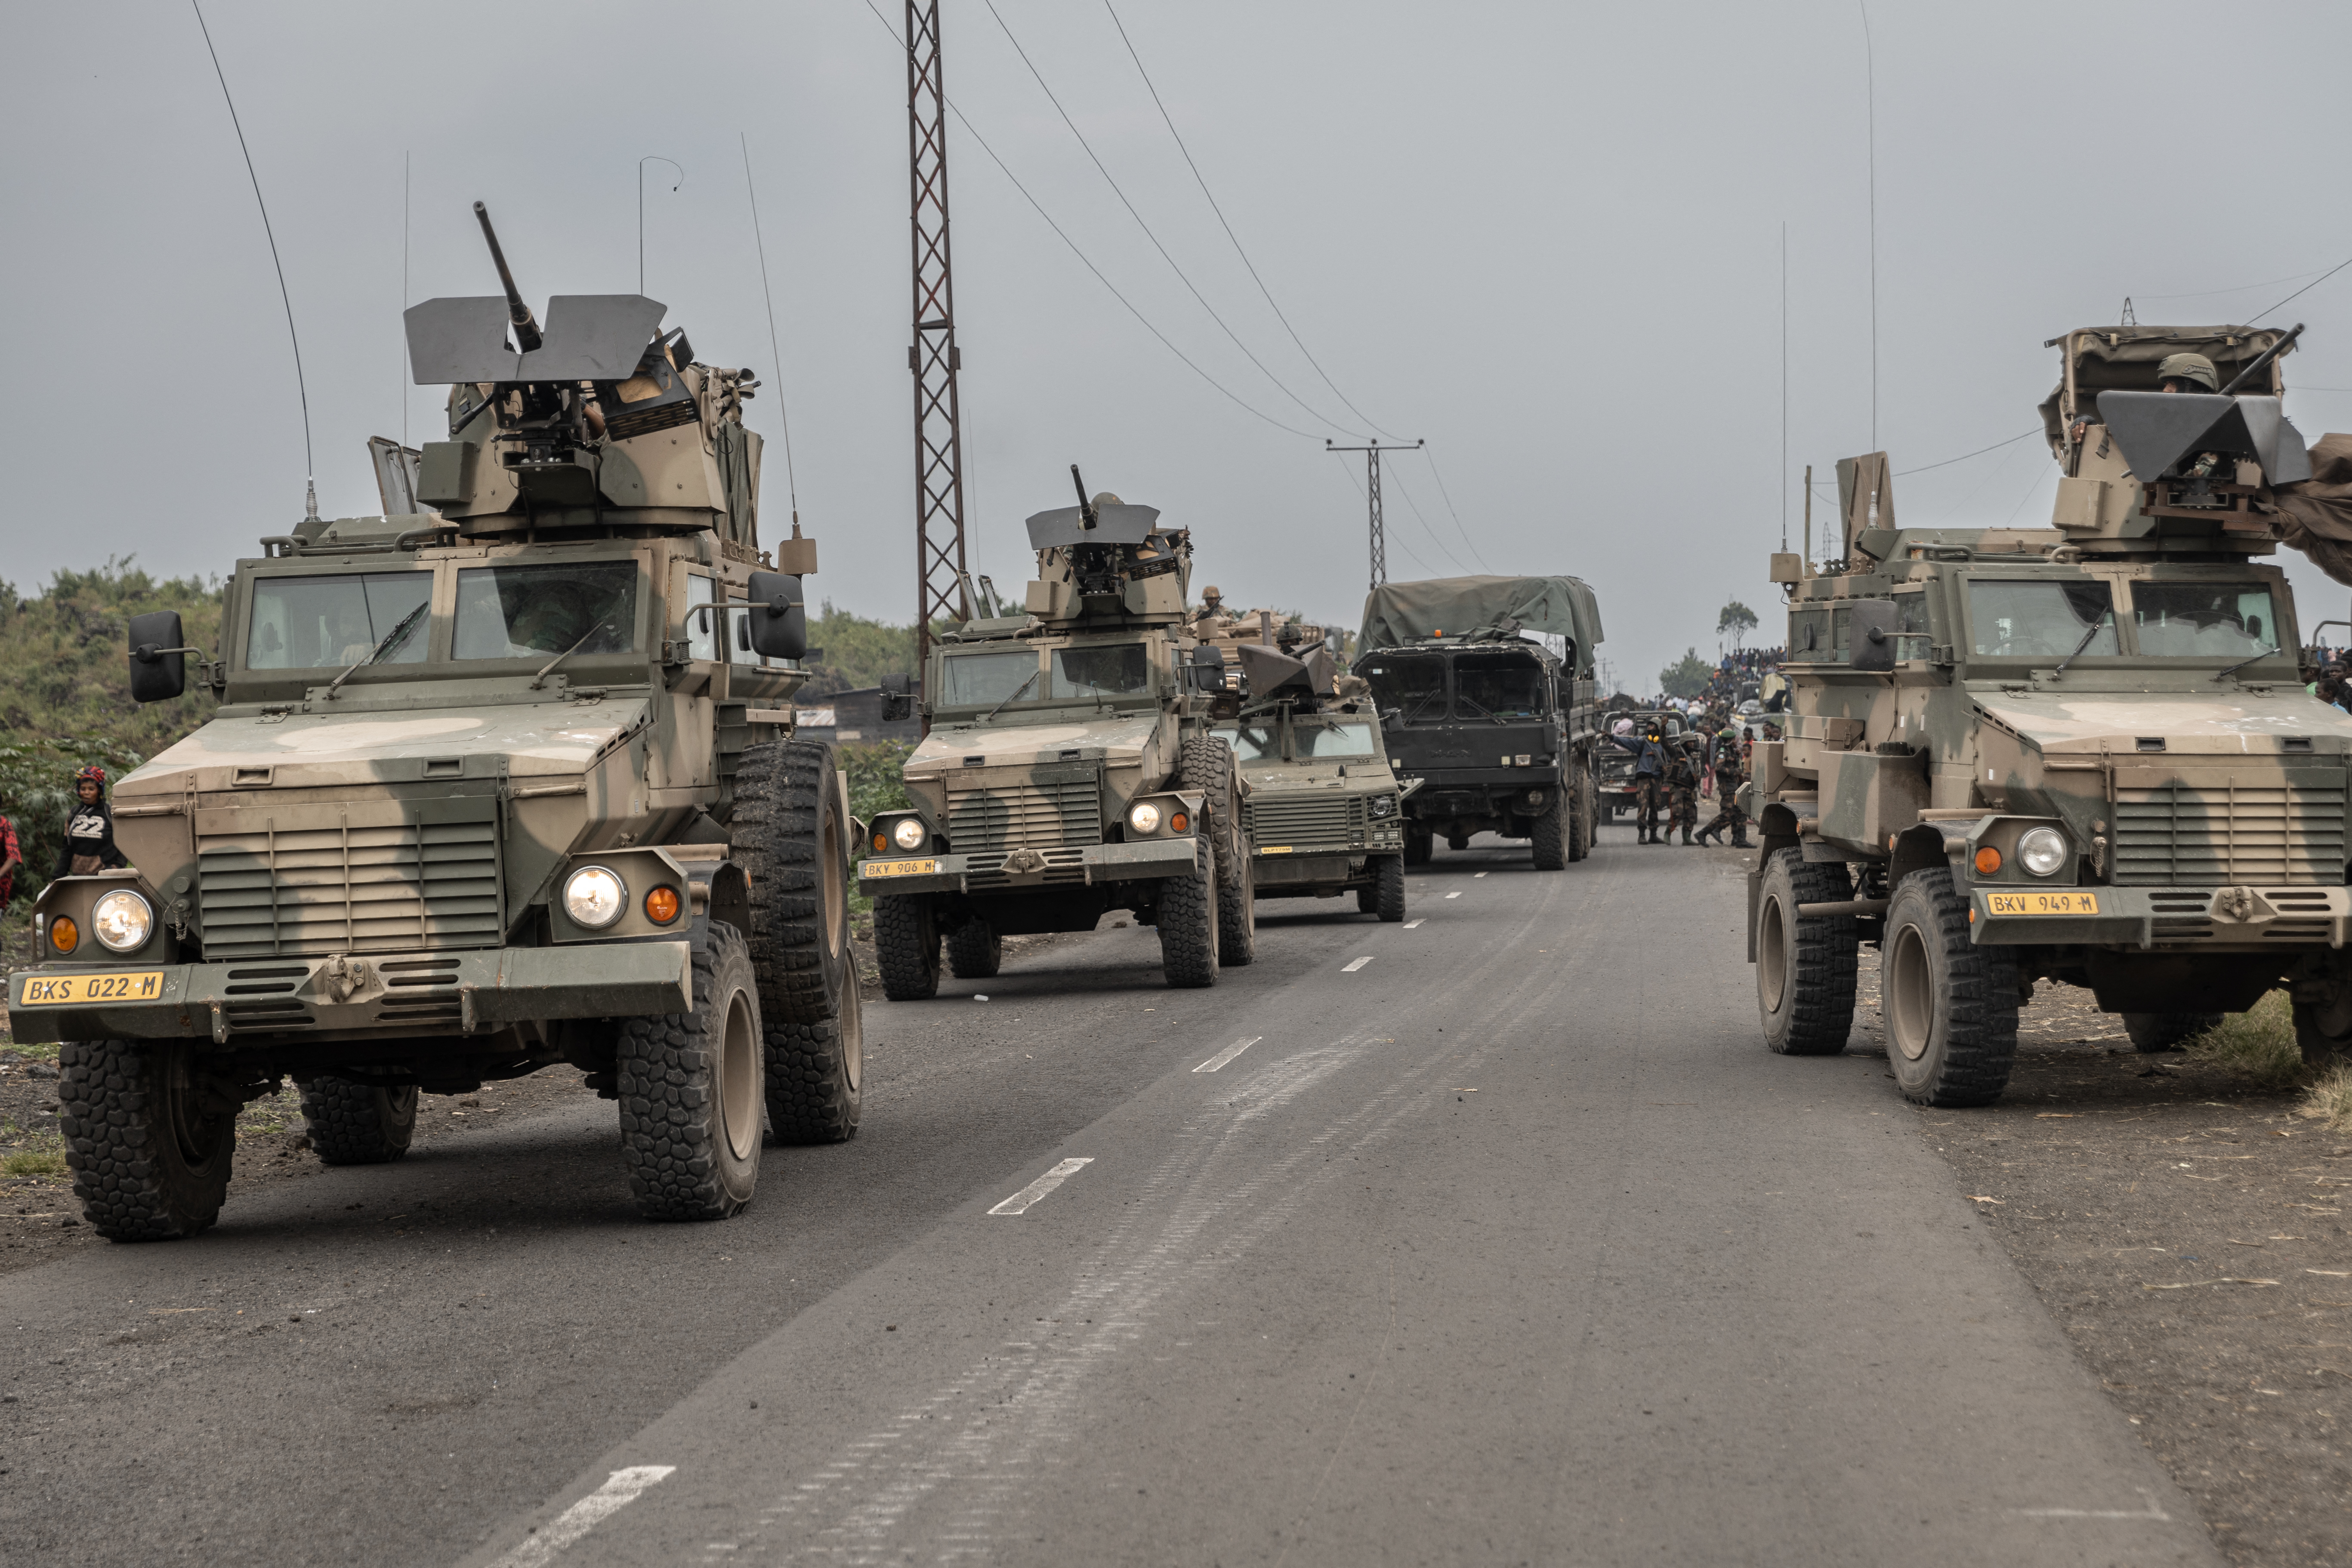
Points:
(932, 356)
(1372, 498)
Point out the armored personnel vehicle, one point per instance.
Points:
(491, 788)
(2081, 752)
(1324, 813)
(1496, 732)
(1069, 770)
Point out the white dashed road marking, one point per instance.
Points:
(1020, 1201)
(1228, 1054)
(1351, 968)
(1453, 895)
(620, 1489)
(1411, 924)
(1475, 875)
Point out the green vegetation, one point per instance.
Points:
(875, 780)
(2257, 1043)
(34, 1162)
(2329, 1097)
(850, 653)
(1687, 677)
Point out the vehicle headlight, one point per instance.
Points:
(122, 920)
(1143, 817)
(2043, 850)
(907, 833)
(595, 897)
(1384, 805)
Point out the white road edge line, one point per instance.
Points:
(1351, 968)
(621, 1489)
(1038, 1189)
(2151, 1512)
(1228, 1054)
(1411, 924)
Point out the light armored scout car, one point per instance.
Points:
(1069, 771)
(1324, 813)
(490, 789)
(2083, 753)
(1497, 731)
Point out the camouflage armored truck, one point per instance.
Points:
(1324, 813)
(1069, 770)
(489, 789)
(2081, 752)
(1496, 732)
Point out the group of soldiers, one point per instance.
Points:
(1667, 773)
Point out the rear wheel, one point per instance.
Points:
(974, 950)
(1805, 964)
(2153, 1031)
(1951, 1005)
(907, 946)
(1577, 809)
(692, 1086)
(1550, 835)
(1238, 922)
(1186, 918)
(358, 1123)
(149, 1151)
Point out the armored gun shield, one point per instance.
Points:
(2156, 429)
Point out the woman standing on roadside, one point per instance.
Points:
(89, 847)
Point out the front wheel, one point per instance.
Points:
(907, 946)
(149, 1151)
(1387, 891)
(357, 1123)
(1550, 834)
(692, 1086)
(1951, 1005)
(1805, 964)
(1186, 918)
(1237, 922)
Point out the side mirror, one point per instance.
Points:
(159, 663)
(1870, 636)
(778, 620)
(1204, 670)
(898, 697)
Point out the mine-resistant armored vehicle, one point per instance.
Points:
(1324, 812)
(1069, 770)
(504, 784)
(2081, 752)
(1495, 730)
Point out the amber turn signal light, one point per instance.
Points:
(881, 844)
(1988, 860)
(64, 935)
(661, 906)
(1179, 822)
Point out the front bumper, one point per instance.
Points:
(1029, 871)
(404, 994)
(2193, 919)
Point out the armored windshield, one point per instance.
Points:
(1333, 740)
(1255, 742)
(308, 623)
(2023, 620)
(1121, 669)
(2204, 620)
(531, 612)
(1414, 684)
(984, 679)
(1497, 686)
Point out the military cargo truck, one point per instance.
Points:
(1494, 732)
(1324, 813)
(2081, 752)
(491, 788)
(1069, 770)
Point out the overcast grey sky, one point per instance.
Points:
(1546, 238)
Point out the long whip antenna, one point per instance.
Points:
(310, 470)
(776, 357)
(1870, 88)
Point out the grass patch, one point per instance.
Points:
(2257, 1043)
(34, 1162)
(2329, 1098)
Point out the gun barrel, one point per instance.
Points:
(2262, 361)
(526, 336)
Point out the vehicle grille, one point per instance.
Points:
(1065, 812)
(1302, 819)
(344, 888)
(2207, 832)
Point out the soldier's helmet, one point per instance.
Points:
(1213, 592)
(2194, 368)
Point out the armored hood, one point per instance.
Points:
(1398, 611)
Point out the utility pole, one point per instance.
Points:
(1373, 495)
(933, 357)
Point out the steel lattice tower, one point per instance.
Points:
(1373, 495)
(933, 356)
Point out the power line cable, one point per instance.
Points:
(1438, 474)
(1202, 181)
(1397, 479)
(1964, 457)
(2240, 289)
(2306, 287)
(1148, 233)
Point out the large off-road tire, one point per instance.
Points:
(816, 1077)
(1186, 918)
(1385, 897)
(357, 1123)
(2152, 1032)
(150, 1159)
(1572, 802)
(692, 1086)
(1951, 1005)
(1805, 964)
(975, 950)
(1420, 844)
(907, 946)
(1550, 834)
(1206, 763)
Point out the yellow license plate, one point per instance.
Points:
(1274, 848)
(69, 990)
(902, 868)
(2042, 903)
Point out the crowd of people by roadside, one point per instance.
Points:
(1708, 756)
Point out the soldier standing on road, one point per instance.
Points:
(1682, 792)
(1728, 776)
(1649, 776)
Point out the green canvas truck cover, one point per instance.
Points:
(1565, 606)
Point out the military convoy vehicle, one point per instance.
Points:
(490, 788)
(1324, 813)
(1229, 633)
(2081, 753)
(1069, 770)
(1494, 732)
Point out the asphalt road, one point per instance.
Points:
(1508, 1245)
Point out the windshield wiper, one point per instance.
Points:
(2095, 627)
(540, 678)
(1466, 697)
(390, 640)
(1009, 696)
(2243, 662)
